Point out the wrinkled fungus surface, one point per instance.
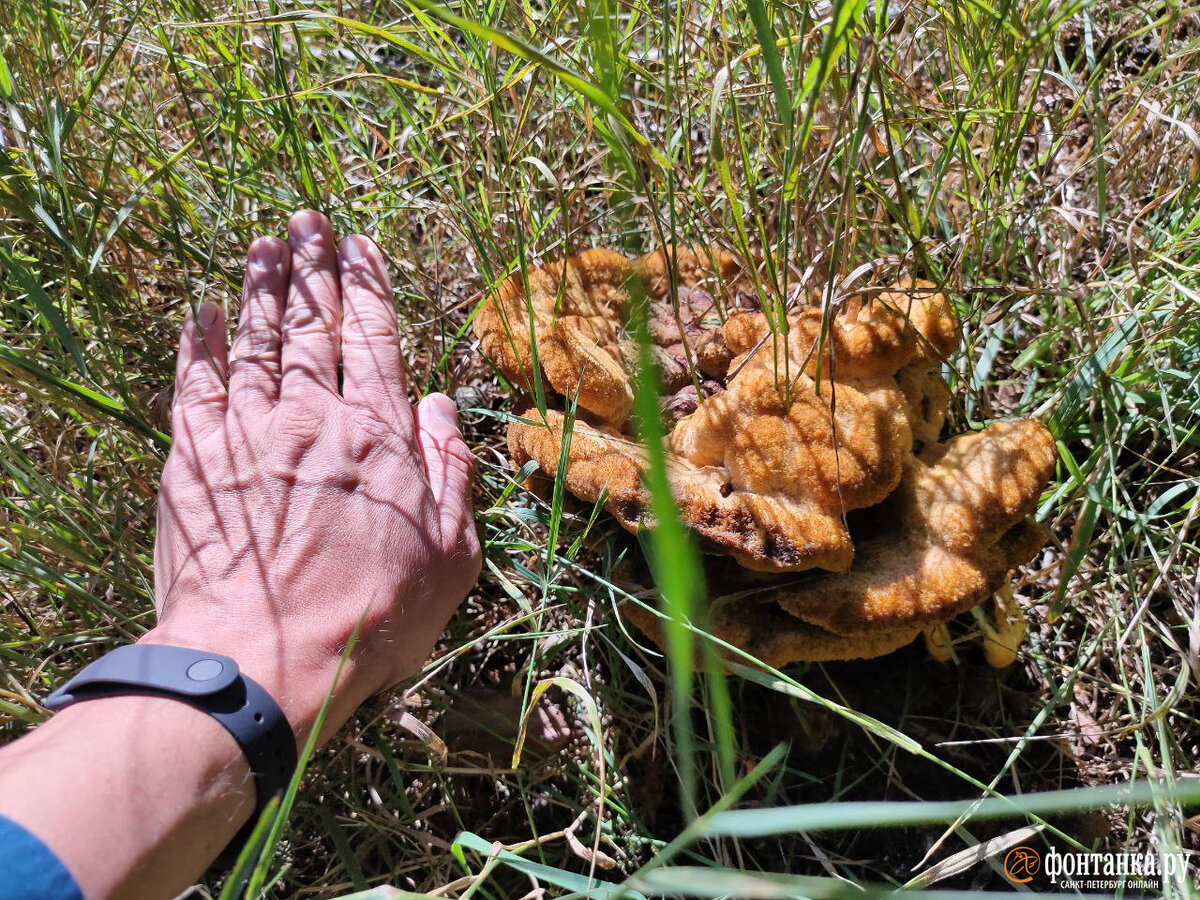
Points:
(808, 456)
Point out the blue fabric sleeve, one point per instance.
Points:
(28, 870)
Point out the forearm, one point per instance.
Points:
(135, 795)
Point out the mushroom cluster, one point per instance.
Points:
(805, 457)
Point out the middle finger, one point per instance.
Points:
(312, 320)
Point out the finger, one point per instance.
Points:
(372, 374)
(254, 365)
(448, 463)
(313, 315)
(200, 373)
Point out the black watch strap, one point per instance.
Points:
(211, 683)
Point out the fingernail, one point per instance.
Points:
(305, 225)
(445, 409)
(207, 316)
(266, 254)
(353, 249)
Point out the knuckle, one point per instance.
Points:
(459, 456)
(201, 396)
(374, 321)
(368, 421)
(265, 358)
(309, 320)
(301, 423)
(255, 332)
(370, 432)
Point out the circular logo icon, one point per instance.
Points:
(1021, 864)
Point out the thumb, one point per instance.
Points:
(449, 464)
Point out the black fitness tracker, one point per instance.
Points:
(211, 683)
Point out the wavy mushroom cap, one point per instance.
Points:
(570, 311)
(573, 313)
(791, 449)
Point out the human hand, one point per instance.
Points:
(293, 513)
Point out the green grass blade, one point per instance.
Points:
(46, 307)
(570, 881)
(765, 32)
(751, 823)
(674, 557)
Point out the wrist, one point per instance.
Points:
(298, 682)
